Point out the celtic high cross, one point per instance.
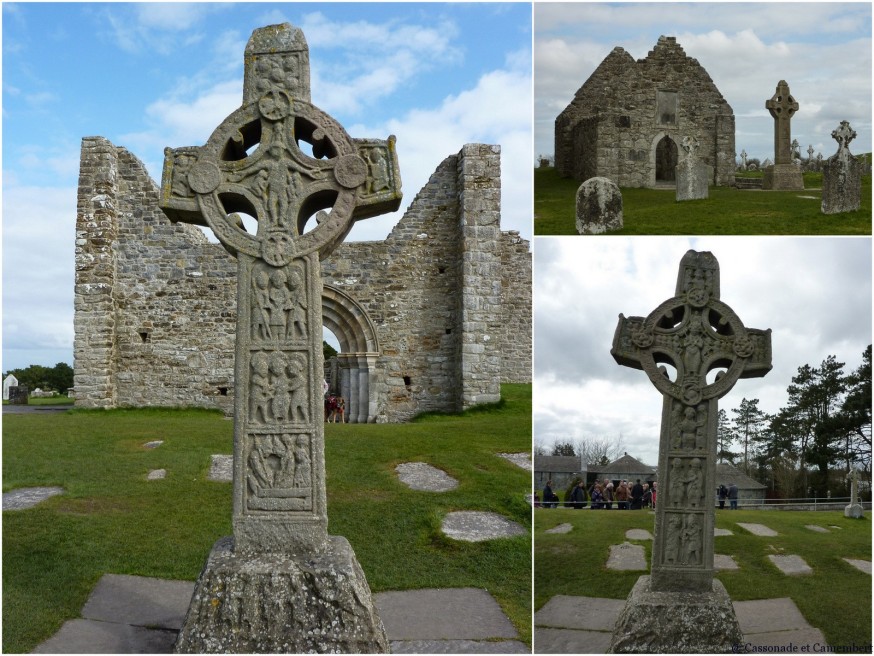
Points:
(782, 107)
(294, 169)
(709, 349)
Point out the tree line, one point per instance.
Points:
(58, 378)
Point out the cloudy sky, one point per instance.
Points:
(147, 76)
(823, 50)
(814, 293)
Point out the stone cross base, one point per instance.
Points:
(853, 511)
(783, 177)
(693, 179)
(676, 622)
(276, 603)
(841, 185)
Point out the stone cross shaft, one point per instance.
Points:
(782, 107)
(292, 168)
(709, 349)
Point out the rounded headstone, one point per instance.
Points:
(599, 207)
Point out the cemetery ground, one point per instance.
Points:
(110, 519)
(835, 598)
(728, 211)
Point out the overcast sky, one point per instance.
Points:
(814, 294)
(147, 76)
(823, 50)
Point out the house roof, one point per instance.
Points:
(625, 464)
(557, 464)
(726, 473)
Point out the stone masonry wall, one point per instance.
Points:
(613, 125)
(449, 300)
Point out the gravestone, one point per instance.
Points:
(18, 395)
(783, 175)
(281, 583)
(841, 175)
(743, 160)
(693, 175)
(853, 510)
(680, 607)
(599, 207)
(9, 381)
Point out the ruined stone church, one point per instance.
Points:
(433, 318)
(627, 121)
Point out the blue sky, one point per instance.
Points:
(151, 75)
(823, 50)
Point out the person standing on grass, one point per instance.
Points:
(722, 493)
(547, 495)
(654, 493)
(578, 496)
(622, 495)
(647, 496)
(608, 494)
(597, 497)
(732, 496)
(636, 495)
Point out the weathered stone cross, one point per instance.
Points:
(709, 349)
(782, 106)
(284, 162)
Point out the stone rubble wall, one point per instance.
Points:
(611, 128)
(155, 312)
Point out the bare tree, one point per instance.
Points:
(599, 450)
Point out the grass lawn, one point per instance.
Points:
(727, 211)
(112, 520)
(836, 598)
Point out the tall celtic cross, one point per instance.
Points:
(284, 162)
(782, 106)
(709, 349)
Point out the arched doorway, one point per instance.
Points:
(359, 350)
(666, 158)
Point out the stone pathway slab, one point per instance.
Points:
(627, 557)
(790, 564)
(522, 460)
(458, 647)
(422, 476)
(721, 531)
(452, 614)
(724, 562)
(477, 526)
(758, 529)
(139, 600)
(567, 641)
(153, 444)
(221, 468)
(767, 615)
(861, 565)
(156, 475)
(28, 497)
(638, 534)
(581, 613)
(561, 528)
(91, 637)
(816, 529)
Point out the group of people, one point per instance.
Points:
(601, 495)
(729, 493)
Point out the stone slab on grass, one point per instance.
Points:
(580, 613)
(458, 647)
(758, 529)
(139, 600)
(154, 444)
(221, 468)
(790, 564)
(522, 460)
(638, 534)
(561, 528)
(28, 497)
(451, 614)
(816, 529)
(569, 641)
(478, 526)
(627, 557)
(92, 637)
(781, 639)
(768, 615)
(156, 475)
(717, 532)
(422, 476)
(724, 562)
(861, 565)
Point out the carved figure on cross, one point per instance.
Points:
(708, 349)
(782, 107)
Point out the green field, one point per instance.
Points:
(836, 598)
(112, 520)
(727, 211)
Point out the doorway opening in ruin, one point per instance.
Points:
(349, 330)
(666, 158)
